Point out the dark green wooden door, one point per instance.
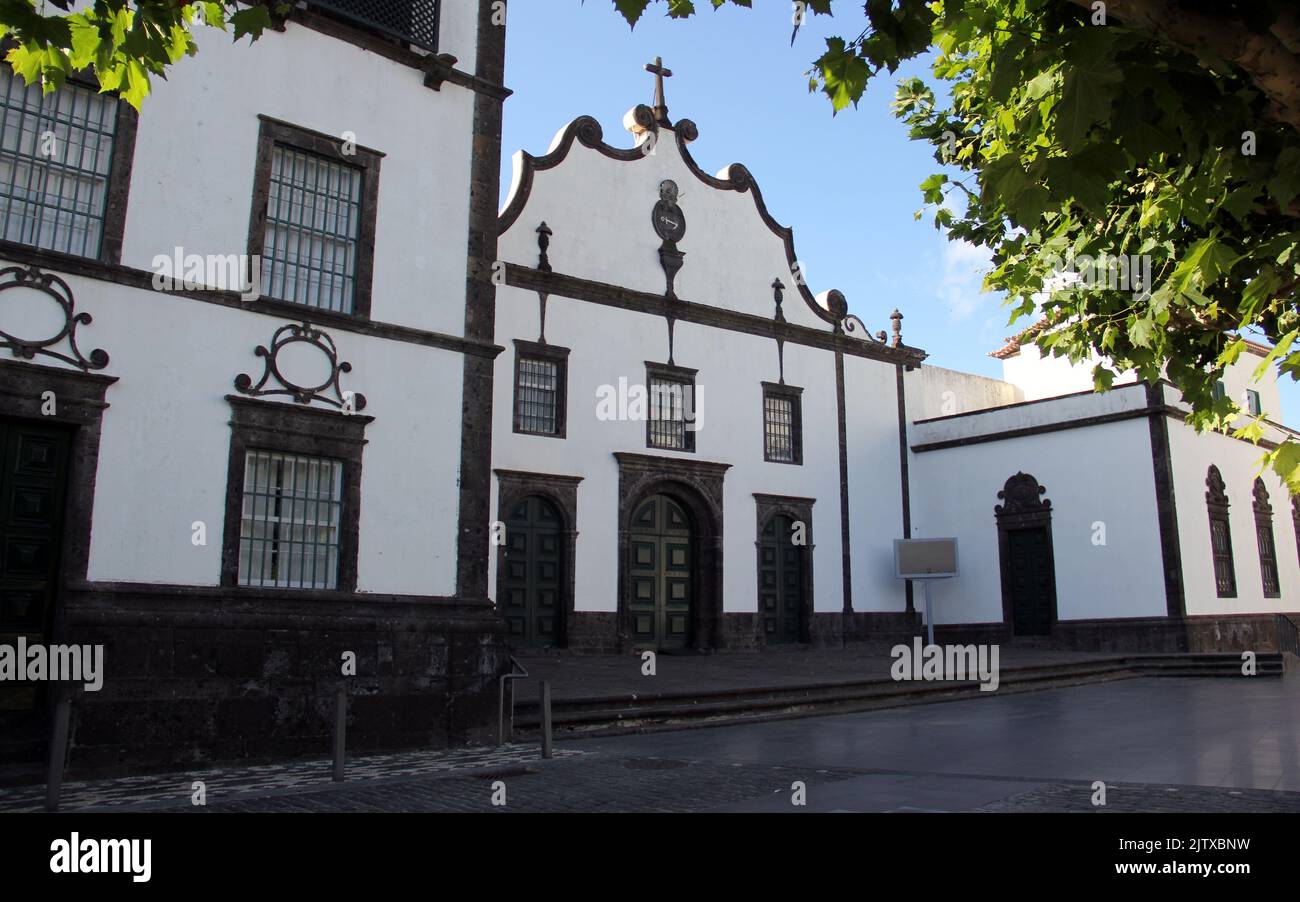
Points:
(531, 578)
(33, 485)
(661, 546)
(780, 581)
(1032, 581)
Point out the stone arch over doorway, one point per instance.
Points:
(696, 488)
(1024, 521)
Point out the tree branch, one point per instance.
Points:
(1267, 58)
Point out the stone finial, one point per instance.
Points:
(778, 294)
(544, 234)
(897, 319)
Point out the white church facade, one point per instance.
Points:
(668, 371)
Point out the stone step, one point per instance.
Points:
(596, 715)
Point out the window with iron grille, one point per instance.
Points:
(56, 166)
(540, 388)
(293, 497)
(782, 424)
(413, 22)
(314, 214)
(289, 532)
(1264, 539)
(1216, 501)
(672, 407)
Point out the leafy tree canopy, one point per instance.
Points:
(124, 42)
(1076, 130)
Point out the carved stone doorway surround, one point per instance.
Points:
(697, 486)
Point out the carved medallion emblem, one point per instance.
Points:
(669, 220)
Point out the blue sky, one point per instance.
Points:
(847, 183)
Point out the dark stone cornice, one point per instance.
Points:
(68, 264)
(553, 283)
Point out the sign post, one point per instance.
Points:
(925, 560)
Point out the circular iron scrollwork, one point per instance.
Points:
(308, 334)
(57, 290)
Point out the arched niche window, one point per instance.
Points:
(1216, 501)
(1264, 538)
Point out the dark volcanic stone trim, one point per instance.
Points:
(80, 405)
(1171, 557)
(205, 674)
(704, 314)
(800, 509)
(1061, 426)
(794, 395)
(843, 431)
(1023, 507)
(903, 472)
(514, 486)
(328, 147)
(119, 182)
(697, 486)
(143, 280)
(560, 357)
(1014, 405)
(288, 428)
(473, 547)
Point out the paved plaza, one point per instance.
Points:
(1158, 744)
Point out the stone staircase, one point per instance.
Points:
(601, 715)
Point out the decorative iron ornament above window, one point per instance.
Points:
(304, 393)
(58, 291)
(412, 21)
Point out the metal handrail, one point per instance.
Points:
(517, 672)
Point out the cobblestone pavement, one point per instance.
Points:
(587, 784)
(1150, 799)
(608, 784)
(162, 790)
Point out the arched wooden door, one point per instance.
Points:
(531, 578)
(661, 547)
(780, 581)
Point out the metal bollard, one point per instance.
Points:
(58, 747)
(545, 700)
(340, 732)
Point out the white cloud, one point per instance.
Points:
(959, 282)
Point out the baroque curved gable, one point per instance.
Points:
(585, 130)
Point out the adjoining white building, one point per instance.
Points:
(630, 273)
(234, 484)
(1101, 521)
